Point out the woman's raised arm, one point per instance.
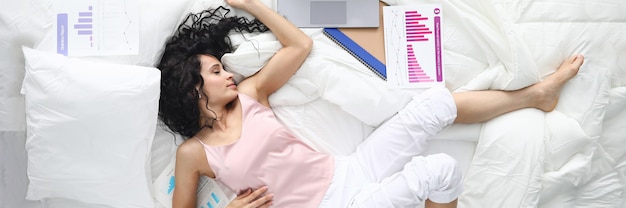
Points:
(296, 47)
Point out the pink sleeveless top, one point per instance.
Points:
(268, 154)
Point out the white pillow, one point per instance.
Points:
(89, 129)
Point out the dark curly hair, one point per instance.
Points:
(204, 33)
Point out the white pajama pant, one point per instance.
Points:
(386, 169)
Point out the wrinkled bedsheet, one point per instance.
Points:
(571, 157)
(565, 158)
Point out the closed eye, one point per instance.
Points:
(216, 68)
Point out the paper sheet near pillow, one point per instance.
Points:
(90, 128)
(96, 27)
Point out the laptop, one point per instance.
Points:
(330, 13)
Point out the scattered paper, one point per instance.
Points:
(210, 193)
(413, 49)
(96, 27)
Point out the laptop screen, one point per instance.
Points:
(328, 12)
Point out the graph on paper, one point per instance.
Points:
(413, 49)
(96, 27)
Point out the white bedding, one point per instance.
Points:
(572, 157)
(526, 158)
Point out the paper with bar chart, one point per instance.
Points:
(413, 49)
(96, 27)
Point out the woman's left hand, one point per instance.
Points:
(251, 199)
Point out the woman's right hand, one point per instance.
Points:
(251, 199)
(240, 4)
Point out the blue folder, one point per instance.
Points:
(357, 51)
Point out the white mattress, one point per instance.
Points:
(572, 157)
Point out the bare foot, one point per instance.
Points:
(549, 90)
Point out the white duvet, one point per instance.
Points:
(572, 157)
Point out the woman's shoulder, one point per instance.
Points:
(190, 156)
(189, 150)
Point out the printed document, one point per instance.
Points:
(413, 49)
(96, 27)
(210, 193)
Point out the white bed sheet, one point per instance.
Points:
(576, 160)
(554, 159)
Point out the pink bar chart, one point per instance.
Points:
(416, 31)
(413, 49)
(415, 72)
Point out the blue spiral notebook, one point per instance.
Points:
(357, 51)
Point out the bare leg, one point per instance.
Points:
(480, 106)
(430, 204)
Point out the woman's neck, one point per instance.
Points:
(215, 116)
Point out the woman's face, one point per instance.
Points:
(219, 84)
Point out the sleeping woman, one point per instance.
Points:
(234, 137)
